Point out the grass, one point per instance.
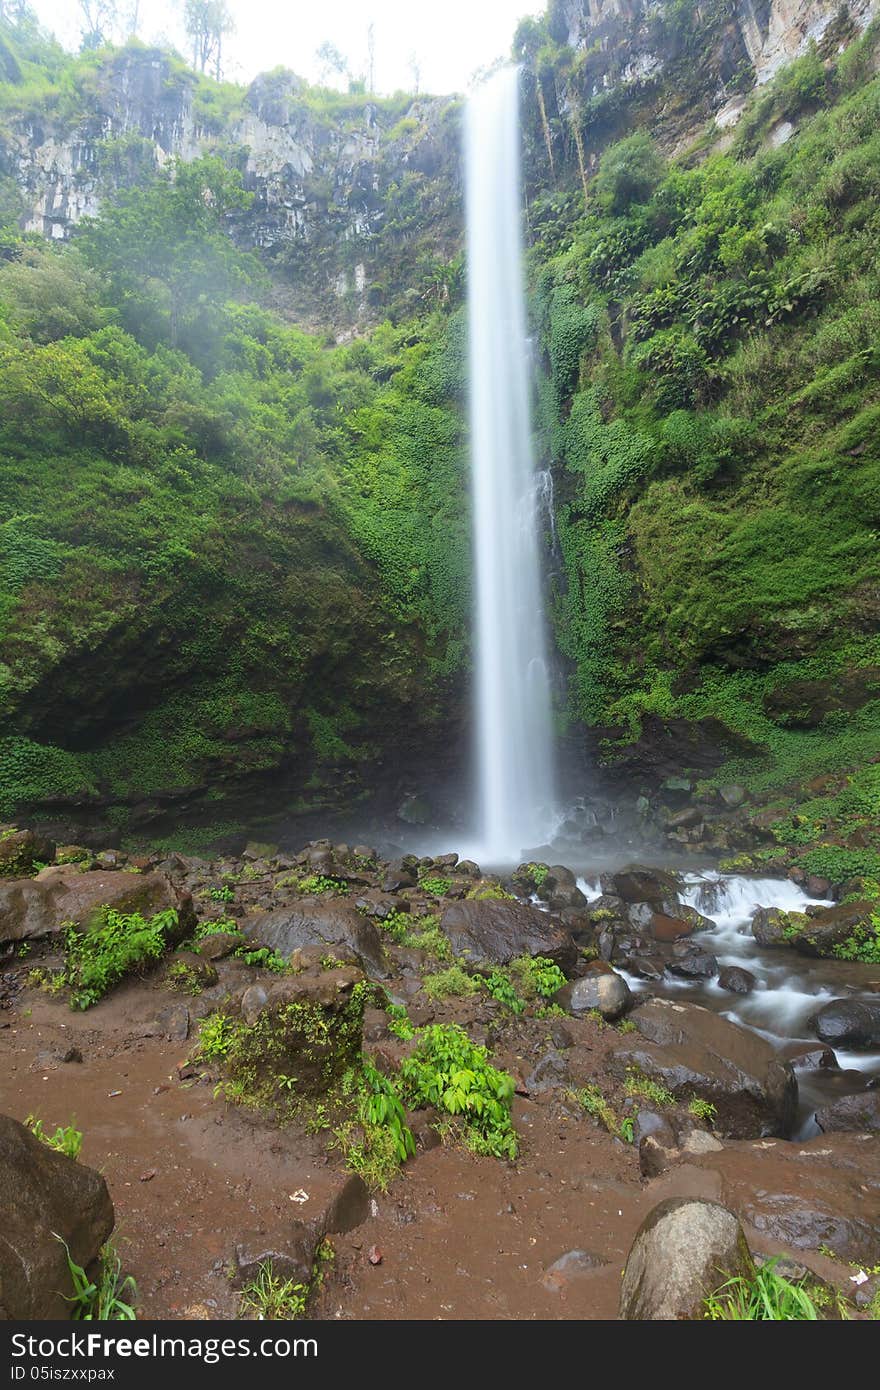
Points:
(111, 1298)
(765, 1297)
(270, 1298)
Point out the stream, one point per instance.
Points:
(790, 988)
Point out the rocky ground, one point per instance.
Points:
(621, 1100)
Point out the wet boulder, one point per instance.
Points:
(769, 926)
(736, 980)
(684, 1251)
(45, 1195)
(498, 930)
(644, 885)
(819, 933)
(22, 850)
(849, 1023)
(859, 1112)
(604, 991)
(693, 1051)
(31, 908)
(320, 922)
(693, 964)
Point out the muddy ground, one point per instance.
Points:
(454, 1237)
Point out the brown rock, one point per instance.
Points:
(44, 1194)
(497, 930)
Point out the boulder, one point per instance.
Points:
(21, 850)
(643, 885)
(769, 925)
(693, 1051)
(683, 1252)
(819, 933)
(219, 945)
(603, 990)
(693, 964)
(320, 922)
(498, 930)
(39, 907)
(849, 1023)
(736, 980)
(43, 1195)
(858, 1112)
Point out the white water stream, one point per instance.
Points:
(513, 715)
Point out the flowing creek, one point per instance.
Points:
(789, 990)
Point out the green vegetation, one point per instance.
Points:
(536, 977)
(766, 1296)
(702, 1109)
(112, 946)
(450, 1072)
(67, 1139)
(109, 1297)
(451, 981)
(437, 887)
(592, 1100)
(263, 560)
(711, 400)
(273, 1299)
(378, 1139)
(638, 1085)
(320, 883)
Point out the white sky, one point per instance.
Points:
(452, 39)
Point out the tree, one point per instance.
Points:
(206, 23)
(371, 56)
(415, 67)
(165, 249)
(99, 18)
(332, 62)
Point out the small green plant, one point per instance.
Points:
(626, 1025)
(537, 976)
(399, 1022)
(116, 944)
(427, 936)
(437, 887)
(500, 986)
(638, 1085)
(183, 978)
(451, 981)
(380, 1140)
(270, 1298)
(111, 1298)
(315, 884)
(626, 1129)
(216, 1036)
(24, 950)
(67, 1139)
(702, 1109)
(595, 1104)
(450, 1072)
(863, 944)
(213, 926)
(329, 962)
(538, 874)
(765, 1297)
(225, 894)
(265, 958)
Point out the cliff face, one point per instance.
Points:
(353, 197)
(596, 69)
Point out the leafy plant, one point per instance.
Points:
(436, 886)
(265, 958)
(216, 1034)
(321, 883)
(118, 943)
(224, 894)
(537, 976)
(450, 1072)
(399, 1022)
(67, 1139)
(500, 986)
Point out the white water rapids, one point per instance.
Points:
(513, 714)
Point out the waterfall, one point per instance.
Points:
(513, 714)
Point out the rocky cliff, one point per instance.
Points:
(354, 197)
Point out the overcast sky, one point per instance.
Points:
(451, 39)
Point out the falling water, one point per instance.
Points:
(513, 693)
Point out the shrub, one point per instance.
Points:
(119, 943)
(450, 1072)
(447, 982)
